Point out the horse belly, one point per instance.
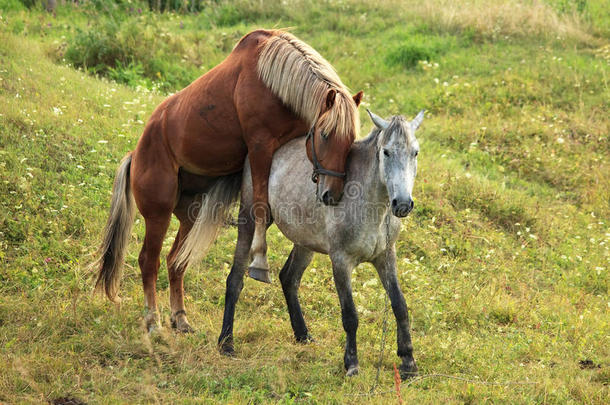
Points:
(207, 144)
(370, 239)
(211, 156)
(302, 231)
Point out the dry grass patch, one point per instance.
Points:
(499, 18)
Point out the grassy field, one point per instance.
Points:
(504, 262)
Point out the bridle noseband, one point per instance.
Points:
(317, 167)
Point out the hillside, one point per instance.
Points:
(504, 262)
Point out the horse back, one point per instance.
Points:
(206, 126)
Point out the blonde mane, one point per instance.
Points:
(301, 78)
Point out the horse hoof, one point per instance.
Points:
(259, 274)
(408, 370)
(182, 327)
(352, 371)
(228, 351)
(305, 339)
(153, 325)
(185, 329)
(180, 324)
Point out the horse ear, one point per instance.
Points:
(330, 98)
(378, 121)
(417, 120)
(358, 98)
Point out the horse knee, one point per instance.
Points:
(400, 311)
(147, 261)
(286, 280)
(350, 321)
(142, 260)
(176, 276)
(235, 281)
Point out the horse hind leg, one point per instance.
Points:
(154, 186)
(176, 284)
(175, 272)
(149, 266)
(290, 277)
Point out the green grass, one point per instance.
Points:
(504, 262)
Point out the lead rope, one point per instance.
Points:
(384, 329)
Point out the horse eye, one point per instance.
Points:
(416, 153)
(386, 153)
(324, 135)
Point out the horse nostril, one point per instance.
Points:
(394, 203)
(411, 205)
(325, 198)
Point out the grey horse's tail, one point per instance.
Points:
(208, 215)
(116, 233)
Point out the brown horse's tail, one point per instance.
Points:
(116, 233)
(208, 216)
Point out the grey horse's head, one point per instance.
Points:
(397, 150)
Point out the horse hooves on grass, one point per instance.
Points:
(408, 371)
(186, 329)
(305, 339)
(183, 328)
(405, 375)
(227, 351)
(152, 323)
(259, 274)
(180, 323)
(352, 371)
(154, 329)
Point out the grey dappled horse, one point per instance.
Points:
(363, 227)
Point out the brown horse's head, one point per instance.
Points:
(333, 134)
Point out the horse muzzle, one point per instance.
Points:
(402, 208)
(328, 199)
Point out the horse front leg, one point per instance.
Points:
(235, 280)
(386, 268)
(260, 155)
(342, 274)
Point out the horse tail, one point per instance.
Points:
(116, 233)
(208, 215)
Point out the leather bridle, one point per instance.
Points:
(317, 167)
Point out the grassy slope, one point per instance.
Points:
(504, 262)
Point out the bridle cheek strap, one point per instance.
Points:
(317, 167)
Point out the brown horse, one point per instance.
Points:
(270, 89)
